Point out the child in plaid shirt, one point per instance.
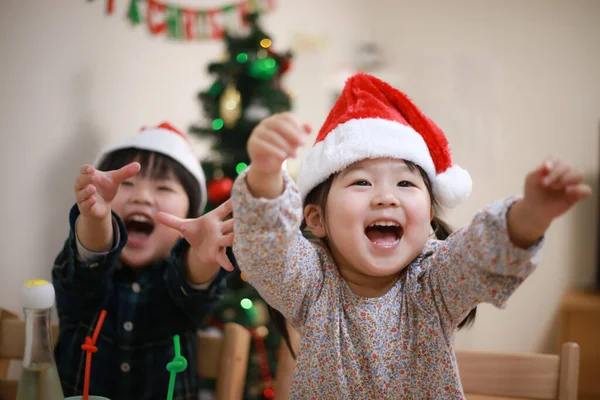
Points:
(123, 256)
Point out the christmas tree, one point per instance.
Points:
(247, 88)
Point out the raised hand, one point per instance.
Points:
(94, 189)
(550, 191)
(274, 140)
(208, 236)
(553, 188)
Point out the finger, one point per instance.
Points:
(223, 260)
(226, 240)
(82, 181)
(277, 139)
(86, 206)
(171, 221)
(227, 226)
(268, 149)
(558, 170)
(289, 118)
(86, 193)
(124, 173)
(307, 128)
(571, 177)
(224, 209)
(290, 131)
(87, 169)
(546, 166)
(578, 192)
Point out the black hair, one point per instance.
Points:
(161, 166)
(318, 196)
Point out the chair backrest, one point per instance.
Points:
(220, 357)
(520, 375)
(487, 375)
(225, 358)
(286, 364)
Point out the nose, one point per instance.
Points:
(385, 198)
(142, 193)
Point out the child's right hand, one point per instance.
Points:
(95, 189)
(273, 141)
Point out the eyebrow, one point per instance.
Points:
(353, 168)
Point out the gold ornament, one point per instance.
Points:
(230, 106)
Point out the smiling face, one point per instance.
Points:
(138, 201)
(377, 217)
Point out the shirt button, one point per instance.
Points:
(125, 367)
(135, 287)
(128, 326)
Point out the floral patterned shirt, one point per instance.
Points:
(399, 345)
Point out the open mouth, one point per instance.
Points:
(384, 233)
(139, 226)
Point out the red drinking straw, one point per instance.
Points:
(90, 347)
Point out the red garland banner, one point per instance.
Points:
(194, 24)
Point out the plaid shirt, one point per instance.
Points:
(144, 310)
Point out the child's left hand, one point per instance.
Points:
(552, 189)
(208, 236)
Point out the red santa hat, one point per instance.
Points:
(169, 141)
(370, 120)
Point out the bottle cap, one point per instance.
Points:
(37, 294)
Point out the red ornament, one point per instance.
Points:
(269, 393)
(285, 66)
(219, 190)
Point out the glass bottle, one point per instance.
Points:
(39, 376)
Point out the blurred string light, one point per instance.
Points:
(246, 304)
(218, 124)
(265, 43)
(239, 168)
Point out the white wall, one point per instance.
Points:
(510, 82)
(516, 80)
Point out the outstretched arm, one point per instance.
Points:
(487, 260)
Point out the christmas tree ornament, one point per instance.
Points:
(263, 68)
(230, 106)
(219, 190)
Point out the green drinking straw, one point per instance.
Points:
(179, 364)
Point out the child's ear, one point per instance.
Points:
(431, 214)
(314, 220)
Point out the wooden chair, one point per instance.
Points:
(500, 376)
(286, 365)
(220, 357)
(225, 358)
(486, 375)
